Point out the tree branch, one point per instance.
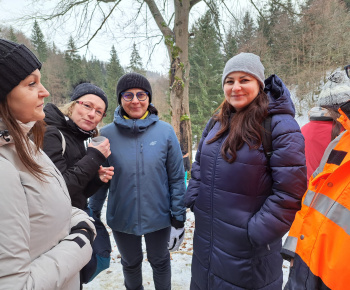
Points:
(216, 19)
(257, 9)
(194, 2)
(286, 7)
(162, 25)
(67, 8)
(100, 27)
(228, 10)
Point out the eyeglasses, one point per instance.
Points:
(129, 96)
(347, 70)
(89, 107)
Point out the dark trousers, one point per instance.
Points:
(130, 249)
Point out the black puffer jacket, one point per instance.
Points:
(78, 166)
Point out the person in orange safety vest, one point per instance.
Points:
(318, 244)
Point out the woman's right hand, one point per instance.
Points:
(106, 173)
(104, 147)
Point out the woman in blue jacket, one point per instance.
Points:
(146, 194)
(243, 201)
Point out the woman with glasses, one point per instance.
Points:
(44, 240)
(146, 195)
(67, 130)
(64, 142)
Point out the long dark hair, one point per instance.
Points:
(22, 142)
(243, 126)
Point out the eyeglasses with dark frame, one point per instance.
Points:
(129, 96)
(89, 107)
(347, 70)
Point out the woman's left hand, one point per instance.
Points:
(106, 173)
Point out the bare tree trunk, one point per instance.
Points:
(176, 41)
(180, 68)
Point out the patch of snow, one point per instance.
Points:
(112, 278)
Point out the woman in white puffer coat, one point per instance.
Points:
(44, 242)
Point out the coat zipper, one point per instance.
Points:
(212, 211)
(142, 160)
(137, 179)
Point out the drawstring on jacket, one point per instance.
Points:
(5, 134)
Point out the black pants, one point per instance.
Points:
(130, 248)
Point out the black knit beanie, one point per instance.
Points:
(86, 89)
(133, 80)
(16, 63)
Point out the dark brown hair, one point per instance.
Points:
(22, 142)
(243, 126)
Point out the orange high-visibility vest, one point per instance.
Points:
(320, 233)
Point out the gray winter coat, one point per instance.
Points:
(148, 187)
(36, 249)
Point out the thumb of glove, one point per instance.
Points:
(176, 238)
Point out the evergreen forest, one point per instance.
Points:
(302, 45)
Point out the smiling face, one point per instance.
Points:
(240, 89)
(26, 100)
(135, 108)
(84, 118)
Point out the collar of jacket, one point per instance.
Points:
(26, 127)
(134, 125)
(143, 117)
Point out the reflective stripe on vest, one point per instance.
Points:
(309, 197)
(331, 209)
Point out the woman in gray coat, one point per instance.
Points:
(44, 241)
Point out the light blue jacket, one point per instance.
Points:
(148, 187)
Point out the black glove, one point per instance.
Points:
(84, 229)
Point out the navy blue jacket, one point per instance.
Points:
(148, 187)
(243, 209)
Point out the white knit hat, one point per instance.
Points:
(246, 62)
(335, 91)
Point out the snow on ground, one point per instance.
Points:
(112, 278)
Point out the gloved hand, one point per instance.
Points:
(177, 234)
(84, 229)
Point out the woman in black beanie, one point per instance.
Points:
(146, 195)
(69, 127)
(44, 241)
(68, 130)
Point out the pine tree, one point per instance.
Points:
(12, 35)
(230, 47)
(247, 32)
(95, 72)
(207, 64)
(136, 62)
(114, 71)
(38, 41)
(74, 63)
